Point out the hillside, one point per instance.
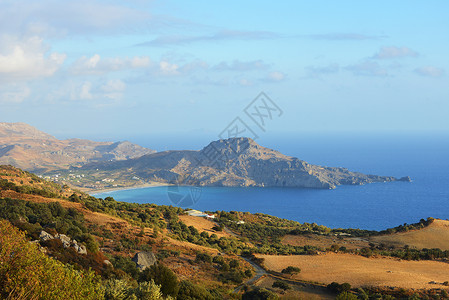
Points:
(26, 147)
(211, 259)
(436, 235)
(234, 162)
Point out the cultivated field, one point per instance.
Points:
(361, 271)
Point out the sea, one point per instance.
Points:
(377, 206)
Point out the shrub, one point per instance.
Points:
(234, 264)
(27, 273)
(339, 288)
(259, 294)
(218, 259)
(162, 276)
(281, 285)
(190, 291)
(346, 296)
(248, 273)
(126, 265)
(203, 257)
(147, 291)
(231, 277)
(291, 270)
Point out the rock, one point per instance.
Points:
(45, 236)
(406, 179)
(66, 241)
(38, 245)
(81, 249)
(144, 259)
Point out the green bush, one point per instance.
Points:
(234, 264)
(190, 291)
(203, 257)
(339, 288)
(162, 276)
(346, 296)
(291, 270)
(218, 259)
(27, 273)
(281, 285)
(259, 294)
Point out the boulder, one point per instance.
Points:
(45, 236)
(81, 249)
(66, 241)
(144, 259)
(107, 262)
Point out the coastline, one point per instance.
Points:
(134, 187)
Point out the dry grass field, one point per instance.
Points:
(324, 241)
(436, 235)
(297, 291)
(361, 271)
(202, 224)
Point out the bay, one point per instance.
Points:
(374, 206)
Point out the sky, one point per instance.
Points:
(111, 70)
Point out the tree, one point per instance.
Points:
(281, 285)
(234, 264)
(190, 291)
(218, 259)
(148, 291)
(339, 288)
(346, 296)
(203, 257)
(291, 270)
(162, 276)
(259, 294)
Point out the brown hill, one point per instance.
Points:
(25, 147)
(435, 235)
(236, 162)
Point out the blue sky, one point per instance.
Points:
(117, 69)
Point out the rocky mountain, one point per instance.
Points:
(235, 162)
(26, 147)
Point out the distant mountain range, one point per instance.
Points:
(231, 162)
(28, 148)
(235, 162)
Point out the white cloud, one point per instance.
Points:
(167, 68)
(85, 91)
(14, 93)
(394, 52)
(345, 36)
(27, 59)
(214, 37)
(113, 89)
(430, 71)
(275, 76)
(314, 71)
(237, 65)
(245, 82)
(57, 18)
(368, 68)
(95, 65)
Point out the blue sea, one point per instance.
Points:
(377, 206)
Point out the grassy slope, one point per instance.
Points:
(322, 268)
(436, 235)
(183, 265)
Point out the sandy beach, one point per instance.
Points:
(139, 186)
